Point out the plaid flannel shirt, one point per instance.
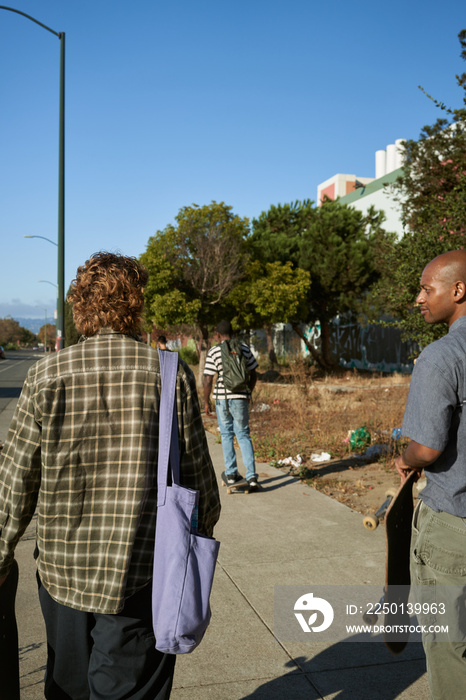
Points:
(82, 449)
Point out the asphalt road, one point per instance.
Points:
(13, 372)
(32, 645)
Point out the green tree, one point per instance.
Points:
(27, 337)
(271, 293)
(193, 267)
(10, 331)
(47, 334)
(340, 247)
(432, 195)
(277, 232)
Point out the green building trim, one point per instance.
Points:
(372, 187)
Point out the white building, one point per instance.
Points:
(363, 192)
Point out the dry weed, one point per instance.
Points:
(308, 416)
(311, 414)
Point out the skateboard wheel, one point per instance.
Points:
(390, 493)
(370, 522)
(370, 619)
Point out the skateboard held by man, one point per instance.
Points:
(398, 520)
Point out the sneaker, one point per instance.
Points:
(230, 479)
(253, 483)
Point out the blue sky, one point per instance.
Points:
(252, 102)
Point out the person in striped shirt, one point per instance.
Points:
(232, 409)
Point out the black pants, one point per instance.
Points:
(91, 656)
(9, 663)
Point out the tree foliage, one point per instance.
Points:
(194, 266)
(27, 337)
(71, 334)
(432, 195)
(47, 334)
(337, 245)
(277, 232)
(271, 293)
(12, 332)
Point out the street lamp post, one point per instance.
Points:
(61, 184)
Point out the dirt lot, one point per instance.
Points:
(307, 416)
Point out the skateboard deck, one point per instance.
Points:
(240, 486)
(9, 662)
(398, 520)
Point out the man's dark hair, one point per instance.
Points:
(161, 339)
(224, 328)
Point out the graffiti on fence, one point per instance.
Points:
(372, 347)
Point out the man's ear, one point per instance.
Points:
(460, 291)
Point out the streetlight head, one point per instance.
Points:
(43, 237)
(48, 282)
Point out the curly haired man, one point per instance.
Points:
(82, 449)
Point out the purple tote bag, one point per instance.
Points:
(184, 560)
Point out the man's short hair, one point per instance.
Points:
(224, 328)
(108, 292)
(161, 339)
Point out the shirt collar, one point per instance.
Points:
(459, 322)
(106, 331)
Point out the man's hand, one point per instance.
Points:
(403, 469)
(415, 458)
(208, 381)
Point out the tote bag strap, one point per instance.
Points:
(168, 425)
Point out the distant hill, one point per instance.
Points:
(33, 324)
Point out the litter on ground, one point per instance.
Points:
(260, 408)
(321, 457)
(291, 461)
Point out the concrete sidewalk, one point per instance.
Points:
(288, 534)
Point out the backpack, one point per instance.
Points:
(235, 371)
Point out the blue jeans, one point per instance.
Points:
(233, 419)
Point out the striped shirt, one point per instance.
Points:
(213, 365)
(82, 447)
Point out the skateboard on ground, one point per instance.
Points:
(397, 577)
(240, 486)
(9, 662)
(370, 522)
